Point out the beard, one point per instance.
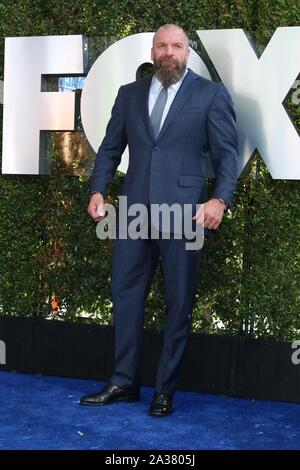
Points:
(168, 71)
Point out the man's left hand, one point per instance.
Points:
(210, 214)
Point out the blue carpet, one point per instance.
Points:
(39, 412)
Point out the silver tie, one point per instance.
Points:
(158, 110)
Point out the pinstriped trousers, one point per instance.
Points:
(134, 264)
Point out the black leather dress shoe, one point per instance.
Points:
(162, 404)
(110, 394)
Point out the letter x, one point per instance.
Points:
(258, 86)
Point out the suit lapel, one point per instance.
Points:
(143, 103)
(182, 95)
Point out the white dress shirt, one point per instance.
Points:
(155, 89)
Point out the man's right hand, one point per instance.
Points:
(96, 207)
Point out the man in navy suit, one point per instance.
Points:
(170, 121)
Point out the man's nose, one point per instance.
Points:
(169, 51)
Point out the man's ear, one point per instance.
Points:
(151, 53)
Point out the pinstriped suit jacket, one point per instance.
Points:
(171, 170)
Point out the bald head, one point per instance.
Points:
(171, 28)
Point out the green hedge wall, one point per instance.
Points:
(249, 281)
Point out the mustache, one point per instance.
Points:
(169, 60)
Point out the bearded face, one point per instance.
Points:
(170, 54)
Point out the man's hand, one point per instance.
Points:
(96, 207)
(210, 214)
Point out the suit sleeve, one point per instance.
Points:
(223, 143)
(111, 149)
